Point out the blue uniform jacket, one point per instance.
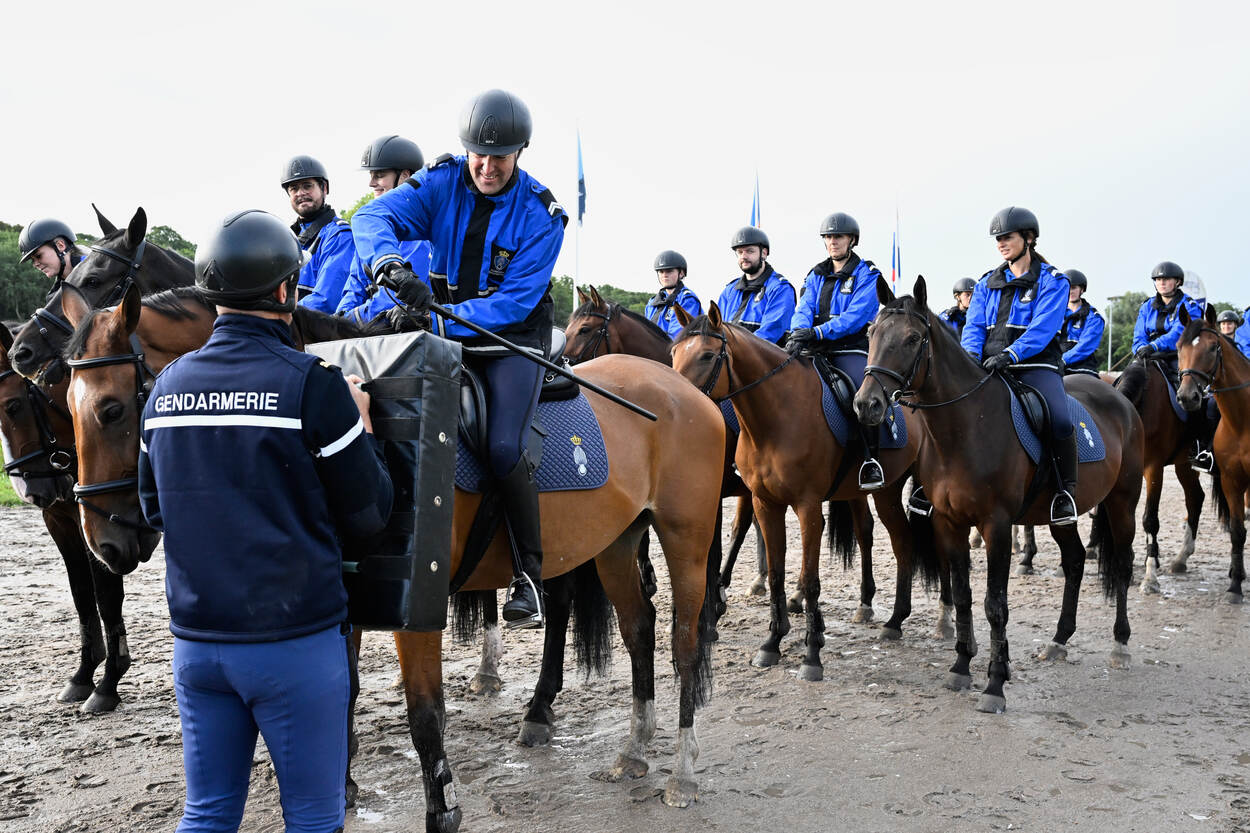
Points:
(768, 306)
(253, 460)
(497, 251)
(954, 318)
(1081, 333)
(1159, 324)
(1030, 333)
(660, 308)
(326, 271)
(839, 305)
(1242, 334)
(361, 307)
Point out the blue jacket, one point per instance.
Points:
(361, 306)
(253, 460)
(328, 238)
(1029, 331)
(1159, 324)
(955, 318)
(839, 304)
(763, 305)
(660, 308)
(496, 251)
(1080, 335)
(1242, 334)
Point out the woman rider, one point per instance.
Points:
(1013, 325)
(670, 271)
(1082, 328)
(958, 314)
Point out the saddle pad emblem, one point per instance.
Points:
(579, 456)
(1089, 438)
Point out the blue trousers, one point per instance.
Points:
(1050, 384)
(512, 387)
(852, 364)
(295, 693)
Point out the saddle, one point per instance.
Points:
(1033, 405)
(838, 382)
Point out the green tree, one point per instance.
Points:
(22, 286)
(167, 238)
(562, 294)
(1123, 317)
(347, 213)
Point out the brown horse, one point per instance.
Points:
(660, 477)
(976, 473)
(1209, 359)
(788, 457)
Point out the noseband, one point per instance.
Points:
(722, 363)
(1207, 379)
(59, 458)
(600, 337)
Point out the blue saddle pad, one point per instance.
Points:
(893, 430)
(1089, 446)
(574, 456)
(1180, 412)
(731, 418)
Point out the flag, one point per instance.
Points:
(755, 203)
(893, 260)
(581, 181)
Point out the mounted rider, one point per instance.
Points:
(761, 300)
(49, 244)
(322, 233)
(1082, 328)
(1242, 335)
(499, 232)
(391, 161)
(1228, 322)
(1013, 326)
(957, 315)
(670, 271)
(838, 302)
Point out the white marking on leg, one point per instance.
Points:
(1187, 548)
(641, 730)
(492, 651)
(687, 754)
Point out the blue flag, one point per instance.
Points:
(755, 203)
(581, 181)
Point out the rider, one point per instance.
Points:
(761, 300)
(1228, 321)
(838, 302)
(253, 567)
(957, 315)
(1013, 325)
(322, 233)
(1155, 335)
(49, 245)
(670, 271)
(1082, 327)
(499, 233)
(391, 161)
(1242, 336)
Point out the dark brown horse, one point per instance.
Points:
(1209, 359)
(662, 478)
(976, 473)
(40, 462)
(789, 458)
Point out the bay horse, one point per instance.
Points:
(976, 473)
(1209, 359)
(788, 457)
(41, 463)
(660, 478)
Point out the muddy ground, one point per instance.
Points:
(879, 745)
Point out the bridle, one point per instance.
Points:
(923, 352)
(61, 459)
(1207, 379)
(600, 337)
(142, 387)
(722, 363)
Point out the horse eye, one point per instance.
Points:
(91, 283)
(12, 407)
(707, 356)
(583, 331)
(112, 413)
(914, 338)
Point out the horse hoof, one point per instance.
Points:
(713, 635)
(485, 684)
(1024, 569)
(992, 704)
(862, 614)
(624, 768)
(1053, 651)
(958, 682)
(811, 673)
(534, 734)
(758, 587)
(448, 822)
(680, 793)
(1150, 587)
(795, 604)
(350, 792)
(99, 703)
(75, 692)
(765, 659)
(1120, 658)
(1178, 566)
(890, 633)
(1232, 598)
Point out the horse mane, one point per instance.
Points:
(701, 326)
(647, 324)
(313, 325)
(1132, 382)
(176, 303)
(938, 329)
(77, 342)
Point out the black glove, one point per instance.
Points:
(402, 320)
(1144, 351)
(408, 287)
(997, 361)
(799, 339)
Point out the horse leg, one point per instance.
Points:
(487, 679)
(421, 664)
(772, 520)
(974, 539)
(1115, 560)
(109, 595)
(760, 586)
(1150, 526)
(1025, 567)
(1095, 539)
(1194, 497)
(998, 567)
(1234, 494)
(539, 716)
(744, 517)
(953, 542)
(861, 520)
(78, 568)
(889, 502)
(945, 628)
(1072, 562)
(811, 524)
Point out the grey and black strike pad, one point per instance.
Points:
(398, 580)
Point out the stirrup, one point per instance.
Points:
(918, 504)
(513, 619)
(871, 476)
(1067, 518)
(1204, 460)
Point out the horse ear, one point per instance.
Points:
(597, 298)
(105, 226)
(884, 294)
(6, 338)
(1209, 314)
(74, 305)
(683, 317)
(137, 229)
(582, 297)
(1183, 315)
(921, 292)
(131, 306)
(713, 316)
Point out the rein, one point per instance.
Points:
(925, 352)
(1208, 379)
(61, 459)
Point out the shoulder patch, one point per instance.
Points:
(442, 159)
(548, 200)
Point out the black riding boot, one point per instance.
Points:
(1203, 459)
(524, 608)
(1063, 506)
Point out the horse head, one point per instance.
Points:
(1200, 356)
(900, 350)
(720, 358)
(36, 433)
(589, 331)
(107, 389)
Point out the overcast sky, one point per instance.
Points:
(1124, 126)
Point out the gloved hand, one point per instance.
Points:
(402, 320)
(799, 339)
(997, 361)
(1144, 351)
(408, 287)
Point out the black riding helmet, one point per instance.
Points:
(1077, 278)
(1013, 218)
(840, 223)
(1228, 315)
(495, 123)
(669, 259)
(392, 153)
(749, 236)
(963, 285)
(40, 232)
(1168, 269)
(246, 258)
(304, 167)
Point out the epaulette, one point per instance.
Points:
(443, 159)
(548, 200)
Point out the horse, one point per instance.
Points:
(40, 461)
(914, 358)
(788, 457)
(1205, 363)
(659, 478)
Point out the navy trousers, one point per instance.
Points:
(1050, 384)
(852, 364)
(512, 387)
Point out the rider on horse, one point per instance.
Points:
(831, 321)
(49, 245)
(670, 271)
(1242, 333)
(391, 161)
(1228, 322)
(1082, 328)
(322, 233)
(1013, 325)
(498, 232)
(761, 300)
(957, 315)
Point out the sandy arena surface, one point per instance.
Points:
(879, 745)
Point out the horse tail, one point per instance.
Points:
(1222, 513)
(841, 532)
(468, 611)
(924, 549)
(593, 620)
(1111, 572)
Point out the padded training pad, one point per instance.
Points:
(1089, 445)
(731, 418)
(893, 430)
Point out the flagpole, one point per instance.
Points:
(581, 209)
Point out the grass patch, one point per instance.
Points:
(8, 497)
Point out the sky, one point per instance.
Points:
(1123, 126)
